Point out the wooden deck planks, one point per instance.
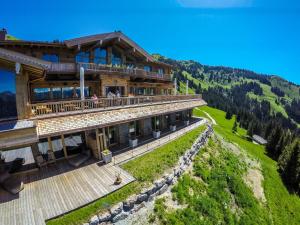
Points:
(57, 190)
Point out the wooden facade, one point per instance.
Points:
(130, 85)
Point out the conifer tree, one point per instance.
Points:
(234, 128)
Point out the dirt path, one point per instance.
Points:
(209, 116)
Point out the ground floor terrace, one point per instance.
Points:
(59, 187)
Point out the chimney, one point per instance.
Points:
(3, 33)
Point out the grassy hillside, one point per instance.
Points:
(201, 77)
(282, 206)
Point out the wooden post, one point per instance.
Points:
(104, 138)
(64, 146)
(50, 144)
(98, 143)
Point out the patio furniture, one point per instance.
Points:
(16, 165)
(78, 160)
(13, 185)
(51, 157)
(40, 161)
(9, 183)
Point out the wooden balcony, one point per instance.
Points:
(49, 109)
(107, 69)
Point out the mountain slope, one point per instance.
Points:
(275, 90)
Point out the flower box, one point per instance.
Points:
(106, 156)
(172, 127)
(156, 134)
(133, 142)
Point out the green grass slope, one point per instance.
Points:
(282, 206)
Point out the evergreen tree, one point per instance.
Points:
(228, 115)
(234, 128)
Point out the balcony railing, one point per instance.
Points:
(52, 108)
(98, 68)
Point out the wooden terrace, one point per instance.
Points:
(81, 106)
(58, 189)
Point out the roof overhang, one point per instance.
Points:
(81, 122)
(35, 65)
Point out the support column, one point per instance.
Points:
(22, 95)
(175, 86)
(64, 146)
(82, 83)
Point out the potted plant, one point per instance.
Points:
(186, 122)
(133, 141)
(156, 131)
(106, 156)
(172, 127)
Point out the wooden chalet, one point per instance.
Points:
(95, 92)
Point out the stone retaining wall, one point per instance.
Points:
(132, 204)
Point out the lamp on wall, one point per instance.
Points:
(18, 68)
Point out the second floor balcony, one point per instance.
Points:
(60, 108)
(108, 69)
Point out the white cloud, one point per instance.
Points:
(215, 3)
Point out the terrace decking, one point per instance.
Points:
(56, 190)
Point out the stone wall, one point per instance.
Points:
(132, 204)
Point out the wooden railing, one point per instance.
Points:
(124, 70)
(63, 67)
(92, 67)
(48, 108)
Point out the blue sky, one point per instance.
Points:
(260, 35)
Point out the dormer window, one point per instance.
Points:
(83, 57)
(50, 57)
(100, 56)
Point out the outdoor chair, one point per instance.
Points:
(16, 165)
(81, 158)
(9, 183)
(40, 161)
(51, 157)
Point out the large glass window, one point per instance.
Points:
(148, 68)
(111, 135)
(83, 57)
(50, 57)
(57, 93)
(100, 56)
(116, 58)
(41, 94)
(8, 107)
(161, 71)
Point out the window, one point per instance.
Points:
(148, 68)
(50, 57)
(116, 58)
(8, 105)
(41, 94)
(100, 56)
(56, 93)
(160, 71)
(134, 128)
(155, 123)
(83, 57)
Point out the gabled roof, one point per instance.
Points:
(13, 56)
(107, 37)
